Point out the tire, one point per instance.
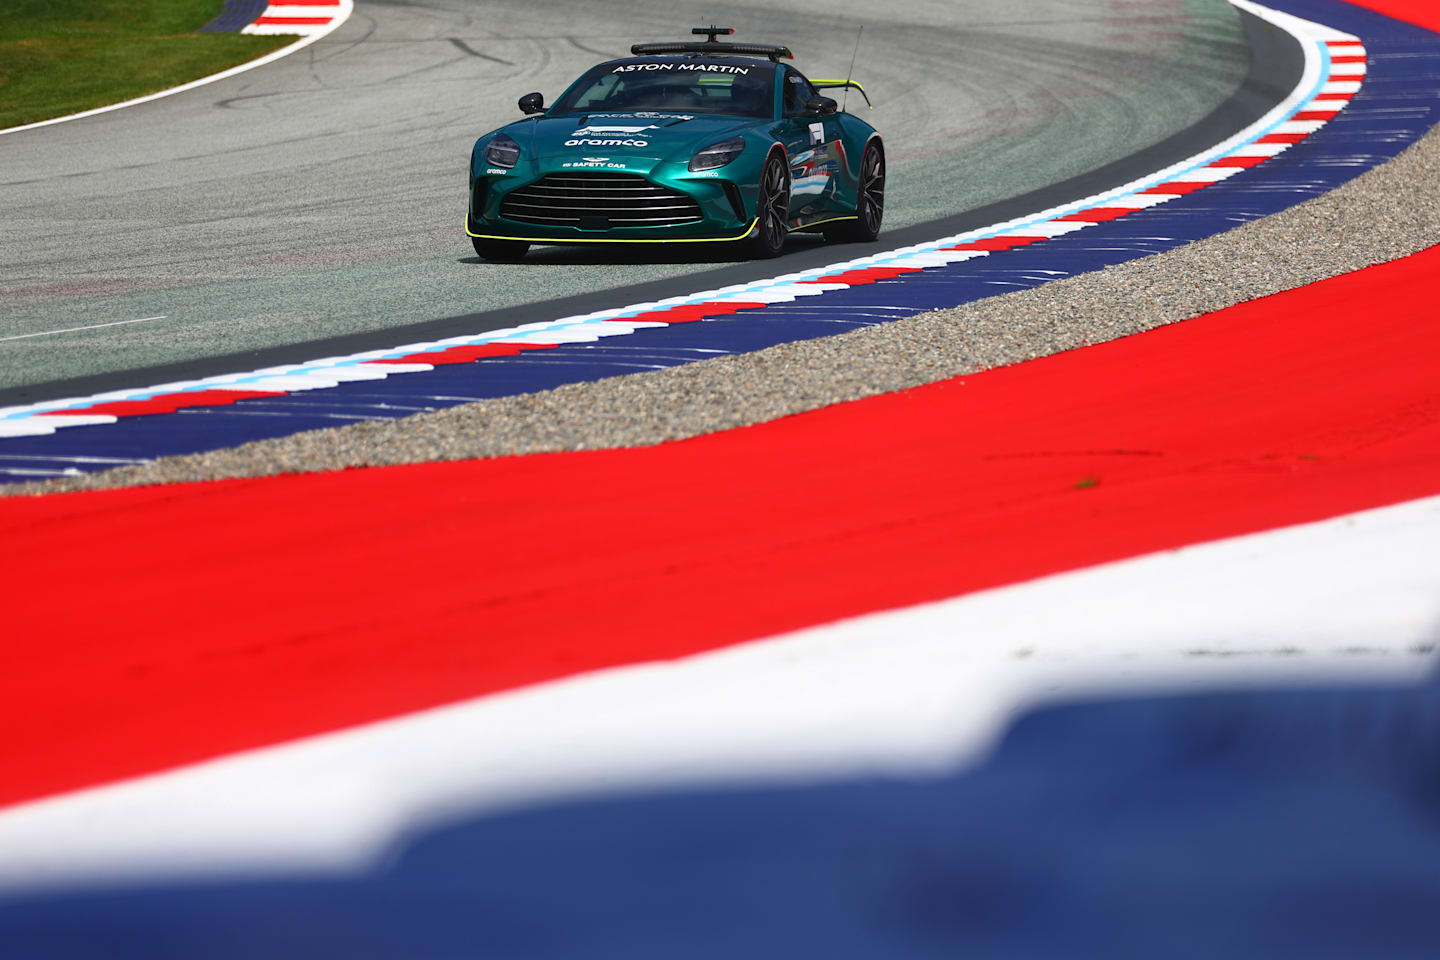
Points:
(773, 210)
(870, 207)
(501, 251)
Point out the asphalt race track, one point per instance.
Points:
(322, 195)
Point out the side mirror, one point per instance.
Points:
(534, 103)
(819, 106)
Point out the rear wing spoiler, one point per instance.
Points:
(832, 84)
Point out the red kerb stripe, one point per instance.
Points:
(466, 354)
(1098, 215)
(1242, 162)
(1179, 187)
(865, 275)
(996, 243)
(691, 312)
(293, 21)
(168, 402)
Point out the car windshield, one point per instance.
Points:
(674, 86)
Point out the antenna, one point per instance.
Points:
(713, 32)
(845, 97)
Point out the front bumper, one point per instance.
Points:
(726, 208)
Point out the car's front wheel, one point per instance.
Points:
(503, 251)
(870, 207)
(772, 218)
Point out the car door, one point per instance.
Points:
(810, 143)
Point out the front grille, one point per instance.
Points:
(599, 201)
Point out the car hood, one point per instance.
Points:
(625, 136)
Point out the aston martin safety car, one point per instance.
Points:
(688, 142)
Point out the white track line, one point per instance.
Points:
(343, 11)
(93, 326)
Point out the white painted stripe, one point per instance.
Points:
(1137, 201)
(346, 7)
(93, 326)
(1300, 126)
(407, 367)
(345, 374)
(901, 691)
(1327, 105)
(288, 384)
(311, 13)
(1261, 150)
(38, 471)
(39, 426)
(282, 30)
(1341, 86)
(31, 427)
(1049, 228)
(1209, 174)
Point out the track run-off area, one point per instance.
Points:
(294, 673)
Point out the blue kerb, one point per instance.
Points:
(237, 15)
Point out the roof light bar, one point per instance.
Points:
(712, 49)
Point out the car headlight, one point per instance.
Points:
(502, 151)
(717, 154)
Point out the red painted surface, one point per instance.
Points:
(691, 312)
(466, 354)
(996, 243)
(1099, 214)
(167, 402)
(1180, 187)
(294, 21)
(1425, 13)
(864, 275)
(1248, 162)
(151, 627)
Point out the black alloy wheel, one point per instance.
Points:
(870, 207)
(773, 215)
(502, 251)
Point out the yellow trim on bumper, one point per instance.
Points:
(496, 236)
(816, 223)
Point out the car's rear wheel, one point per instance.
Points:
(870, 207)
(503, 251)
(772, 218)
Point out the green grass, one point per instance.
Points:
(63, 56)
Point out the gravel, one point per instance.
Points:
(1387, 213)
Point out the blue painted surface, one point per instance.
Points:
(1397, 105)
(1248, 825)
(237, 15)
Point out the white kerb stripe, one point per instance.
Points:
(902, 691)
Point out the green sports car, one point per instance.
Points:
(689, 142)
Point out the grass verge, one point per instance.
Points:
(63, 56)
